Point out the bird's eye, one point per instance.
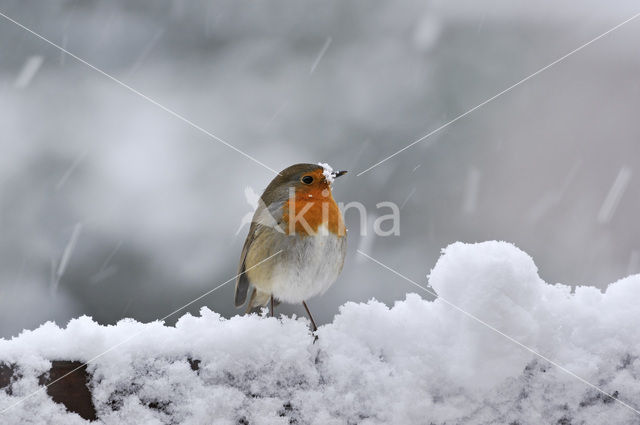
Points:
(307, 180)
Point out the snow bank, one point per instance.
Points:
(418, 362)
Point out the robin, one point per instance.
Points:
(298, 223)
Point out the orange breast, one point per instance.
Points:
(308, 210)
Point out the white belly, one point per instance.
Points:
(308, 266)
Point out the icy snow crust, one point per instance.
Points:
(418, 362)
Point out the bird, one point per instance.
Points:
(297, 241)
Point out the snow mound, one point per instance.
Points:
(418, 362)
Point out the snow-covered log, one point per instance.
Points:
(418, 362)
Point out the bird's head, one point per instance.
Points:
(305, 180)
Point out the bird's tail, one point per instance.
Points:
(258, 299)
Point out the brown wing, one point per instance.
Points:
(264, 217)
(242, 281)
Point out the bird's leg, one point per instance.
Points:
(313, 323)
(271, 305)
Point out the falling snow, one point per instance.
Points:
(614, 196)
(321, 54)
(28, 71)
(66, 256)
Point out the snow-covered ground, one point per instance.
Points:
(419, 362)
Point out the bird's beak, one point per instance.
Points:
(338, 173)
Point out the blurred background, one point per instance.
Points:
(111, 207)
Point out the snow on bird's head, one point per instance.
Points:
(327, 171)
